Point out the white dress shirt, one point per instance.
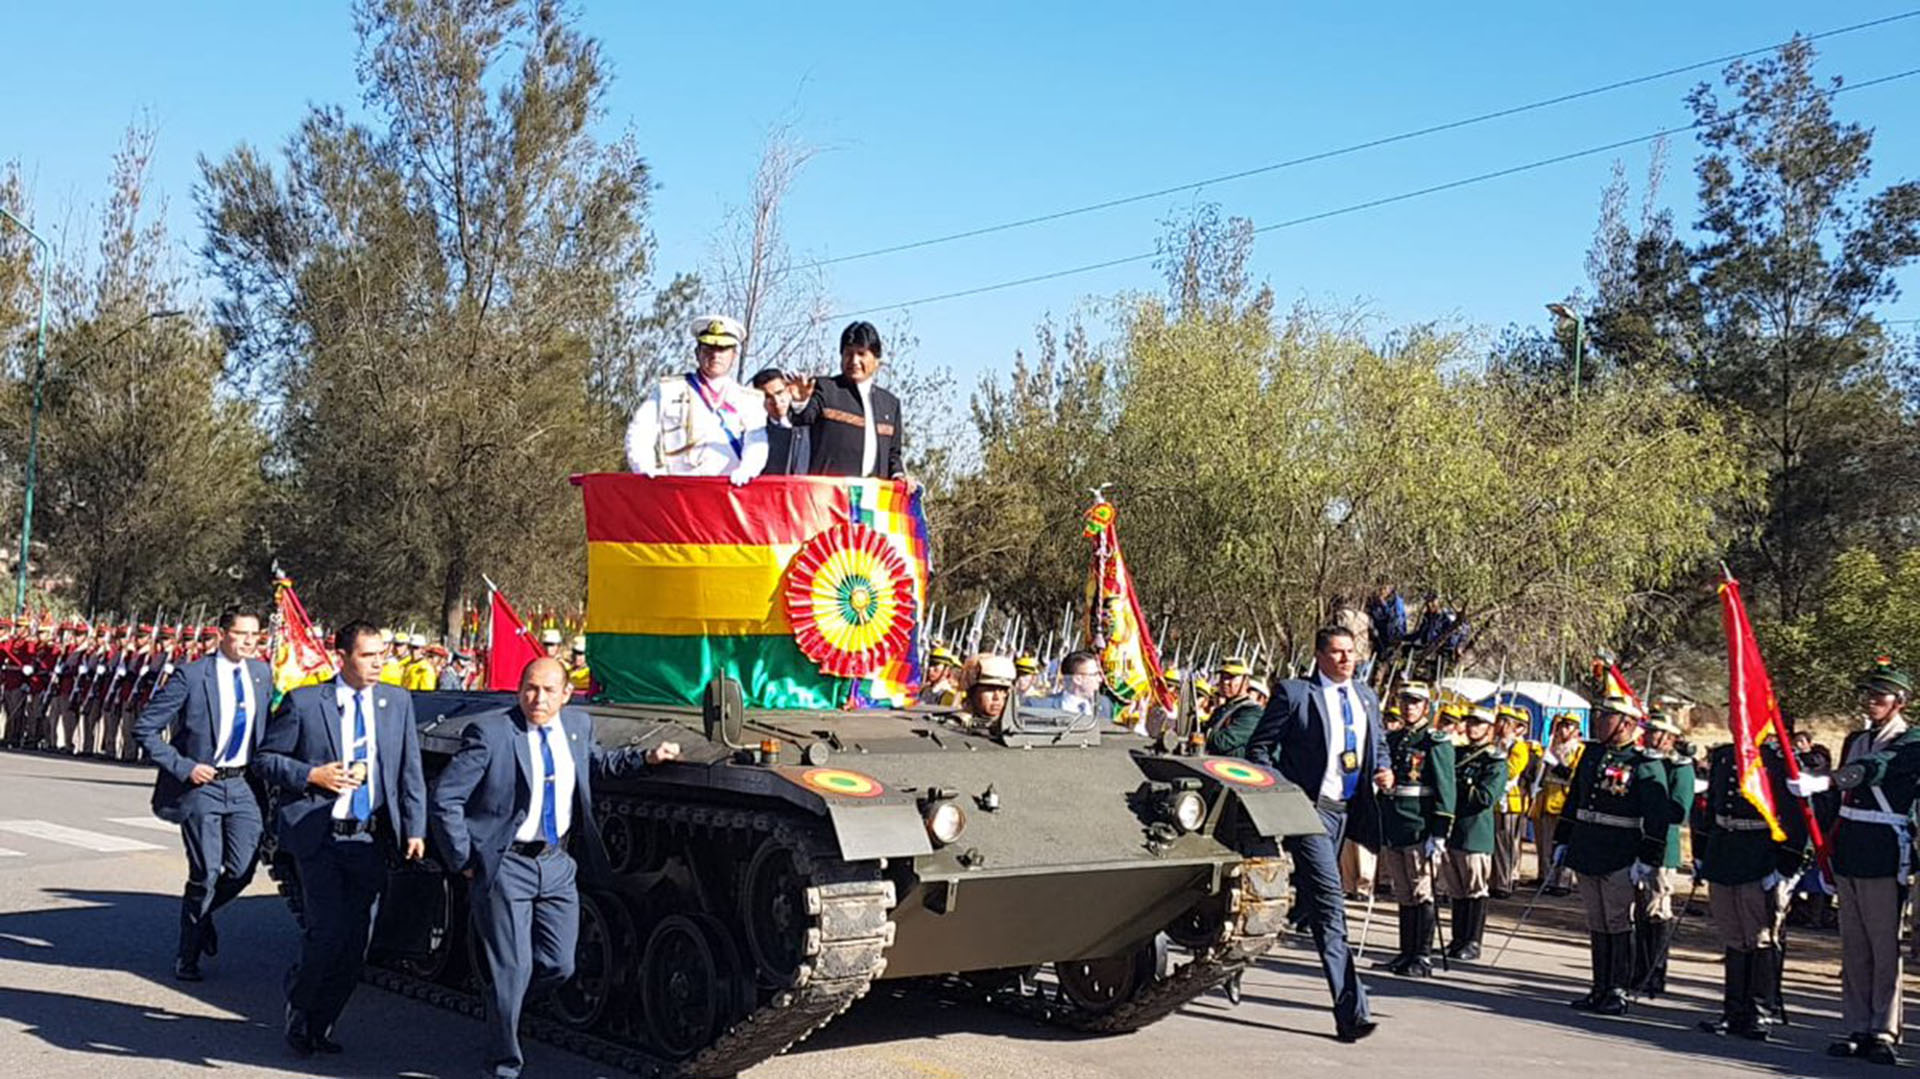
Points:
(562, 783)
(1333, 783)
(869, 438)
(343, 803)
(223, 672)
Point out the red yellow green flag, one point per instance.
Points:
(298, 659)
(1116, 631)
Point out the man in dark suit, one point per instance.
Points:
(789, 448)
(504, 811)
(855, 424)
(345, 757)
(214, 709)
(1323, 733)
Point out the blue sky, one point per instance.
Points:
(942, 118)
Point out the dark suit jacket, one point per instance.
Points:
(837, 418)
(1292, 738)
(789, 451)
(189, 704)
(482, 797)
(305, 733)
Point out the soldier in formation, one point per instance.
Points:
(1613, 832)
(1653, 910)
(1231, 724)
(1480, 782)
(1416, 817)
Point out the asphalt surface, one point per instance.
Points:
(89, 887)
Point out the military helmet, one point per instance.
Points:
(1235, 667)
(1415, 691)
(1884, 677)
(1026, 665)
(1662, 722)
(1170, 675)
(1621, 705)
(942, 656)
(1480, 713)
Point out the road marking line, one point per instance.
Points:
(74, 837)
(154, 823)
(5, 853)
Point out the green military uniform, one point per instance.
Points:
(1879, 777)
(1750, 874)
(1613, 832)
(1230, 727)
(1480, 782)
(1653, 922)
(1415, 818)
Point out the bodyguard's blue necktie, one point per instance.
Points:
(1348, 779)
(362, 801)
(237, 737)
(549, 816)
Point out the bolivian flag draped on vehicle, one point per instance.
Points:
(1116, 631)
(805, 589)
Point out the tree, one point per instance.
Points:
(150, 491)
(1769, 317)
(448, 312)
(781, 301)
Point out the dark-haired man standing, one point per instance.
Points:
(214, 709)
(1324, 735)
(789, 448)
(855, 424)
(345, 756)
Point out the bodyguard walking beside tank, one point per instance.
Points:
(202, 729)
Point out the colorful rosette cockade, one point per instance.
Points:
(850, 597)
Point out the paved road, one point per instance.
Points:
(88, 887)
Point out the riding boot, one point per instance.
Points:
(1461, 923)
(1399, 960)
(1598, 945)
(1761, 992)
(1619, 976)
(1653, 981)
(1426, 920)
(1476, 928)
(1733, 993)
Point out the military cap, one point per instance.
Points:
(995, 672)
(436, 650)
(1885, 678)
(1235, 667)
(1622, 705)
(1455, 710)
(1480, 713)
(549, 636)
(1512, 710)
(418, 640)
(579, 643)
(1415, 691)
(718, 330)
(1170, 675)
(1259, 685)
(386, 636)
(942, 656)
(1660, 721)
(210, 632)
(1202, 686)
(1026, 665)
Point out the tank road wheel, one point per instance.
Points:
(605, 933)
(1200, 928)
(1097, 986)
(736, 981)
(617, 833)
(773, 907)
(447, 939)
(681, 991)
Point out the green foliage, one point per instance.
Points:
(443, 308)
(1865, 608)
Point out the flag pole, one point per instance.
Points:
(1778, 721)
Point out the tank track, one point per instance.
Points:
(1255, 913)
(846, 934)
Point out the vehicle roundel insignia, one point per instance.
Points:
(1247, 775)
(841, 781)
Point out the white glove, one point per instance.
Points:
(1771, 881)
(1699, 867)
(1805, 786)
(1559, 854)
(1641, 873)
(738, 478)
(1433, 846)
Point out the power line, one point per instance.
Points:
(1342, 211)
(1324, 155)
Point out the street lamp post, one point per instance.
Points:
(33, 424)
(1567, 314)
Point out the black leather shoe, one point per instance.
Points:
(324, 1043)
(298, 1039)
(1614, 1003)
(209, 939)
(1356, 1032)
(187, 971)
(1843, 1047)
(1879, 1051)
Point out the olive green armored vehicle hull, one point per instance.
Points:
(792, 859)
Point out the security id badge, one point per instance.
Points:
(1350, 761)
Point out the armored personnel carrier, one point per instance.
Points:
(1054, 864)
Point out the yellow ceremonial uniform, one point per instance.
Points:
(418, 675)
(393, 673)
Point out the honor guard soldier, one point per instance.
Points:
(550, 641)
(1230, 728)
(941, 688)
(1653, 916)
(1749, 874)
(1879, 778)
(579, 675)
(702, 422)
(989, 684)
(1415, 819)
(393, 669)
(1480, 782)
(1558, 759)
(419, 673)
(1613, 832)
(1028, 671)
(1511, 723)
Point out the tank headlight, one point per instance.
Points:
(1187, 809)
(945, 821)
